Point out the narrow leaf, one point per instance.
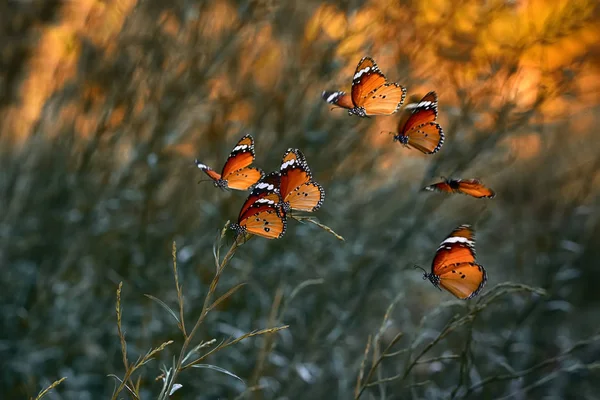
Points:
(165, 306)
(225, 296)
(219, 369)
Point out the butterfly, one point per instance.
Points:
(454, 267)
(471, 187)
(236, 173)
(262, 213)
(297, 189)
(420, 129)
(371, 93)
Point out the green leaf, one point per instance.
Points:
(219, 369)
(165, 306)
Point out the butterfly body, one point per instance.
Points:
(371, 93)
(454, 267)
(471, 187)
(421, 130)
(237, 173)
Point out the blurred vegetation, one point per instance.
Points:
(104, 106)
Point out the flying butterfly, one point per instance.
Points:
(297, 189)
(420, 129)
(261, 213)
(236, 173)
(454, 267)
(471, 187)
(371, 93)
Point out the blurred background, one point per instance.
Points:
(105, 104)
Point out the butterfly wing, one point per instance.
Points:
(440, 187)
(306, 197)
(423, 112)
(294, 172)
(340, 99)
(264, 218)
(212, 174)
(464, 280)
(367, 77)
(384, 100)
(263, 190)
(457, 248)
(244, 178)
(474, 187)
(240, 157)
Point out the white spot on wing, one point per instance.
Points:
(333, 96)
(458, 239)
(287, 164)
(264, 185)
(201, 166)
(361, 72)
(240, 147)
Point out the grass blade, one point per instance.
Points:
(165, 306)
(219, 369)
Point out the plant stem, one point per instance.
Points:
(205, 309)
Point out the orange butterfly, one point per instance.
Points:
(371, 94)
(298, 190)
(262, 213)
(454, 267)
(236, 172)
(471, 187)
(420, 129)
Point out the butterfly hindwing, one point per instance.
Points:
(263, 218)
(244, 178)
(464, 280)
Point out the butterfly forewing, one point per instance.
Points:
(294, 172)
(214, 175)
(458, 247)
(423, 112)
(241, 156)
(340, 99)
(263, 189)
(367, 77)
(464, 280)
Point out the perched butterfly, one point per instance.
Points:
(236, 172)
(371, 93)
(420, 129)
(298, 190)
(262, 213)
(471, 187)
(454, 267)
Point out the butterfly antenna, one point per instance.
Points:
(425, 274)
